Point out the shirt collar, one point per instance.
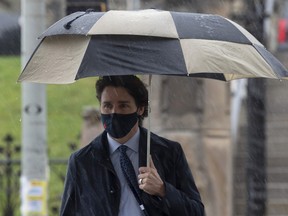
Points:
(132, 143)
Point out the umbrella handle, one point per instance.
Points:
(149, 124)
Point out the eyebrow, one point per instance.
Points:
(124, 101)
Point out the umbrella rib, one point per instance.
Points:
(68, 24)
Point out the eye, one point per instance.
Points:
(124, 105)
(107, 106)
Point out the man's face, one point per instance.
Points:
(117, 100)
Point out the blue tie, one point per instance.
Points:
(129, 173)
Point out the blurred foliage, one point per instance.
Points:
(10, 97)
(64, 107)
(65, 104)
(64, 120)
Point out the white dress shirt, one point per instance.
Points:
(128, 203)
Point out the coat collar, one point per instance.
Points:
(100, 148)
(132, 143)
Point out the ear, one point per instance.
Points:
(140, 110)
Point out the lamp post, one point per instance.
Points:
(34, 162)
(256, 142)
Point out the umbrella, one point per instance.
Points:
(116, 42)
(86, 44)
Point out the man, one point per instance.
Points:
(97, 182)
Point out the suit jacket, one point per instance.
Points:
(92, 187)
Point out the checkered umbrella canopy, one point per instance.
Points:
(86, 44)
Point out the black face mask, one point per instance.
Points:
(119, 125)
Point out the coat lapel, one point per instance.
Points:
(101, 152)
(143, 148)
(153, 151)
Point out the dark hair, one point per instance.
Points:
(135, 87)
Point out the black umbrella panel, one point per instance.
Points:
(87, 44)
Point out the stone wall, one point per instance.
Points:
(195, 112)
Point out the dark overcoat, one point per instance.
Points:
(92, 187)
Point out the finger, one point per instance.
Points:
(142, 176)
(141, 186)
(144, 169)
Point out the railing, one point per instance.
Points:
(10, 172)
